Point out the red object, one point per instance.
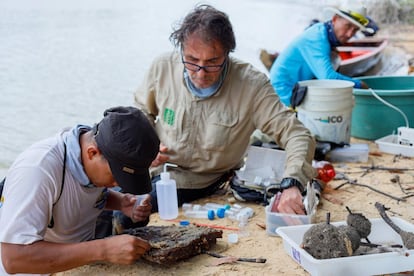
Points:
(326, 171)
(351, 54)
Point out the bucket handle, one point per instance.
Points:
(390, 105)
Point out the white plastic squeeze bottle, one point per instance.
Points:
(167, 195)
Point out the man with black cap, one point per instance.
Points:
(309, 56)
(57, 188)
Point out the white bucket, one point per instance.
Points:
(327, 109)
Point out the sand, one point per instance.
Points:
(259, 244)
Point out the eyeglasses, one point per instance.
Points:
(207, 68)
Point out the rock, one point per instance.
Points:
(360, 223)
(326, 241)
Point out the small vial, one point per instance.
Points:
(243, 231)
(187, 206)
(138, 202)
(246, 211)
(197, 207)
(216, 206)
(200, 214)
(237, 206)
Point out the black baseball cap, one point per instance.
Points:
(129, 142)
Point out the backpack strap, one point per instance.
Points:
(52, 222)
(1, 191)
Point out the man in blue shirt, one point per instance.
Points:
(309, 55)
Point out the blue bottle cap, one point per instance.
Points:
(210, 214)
(184, 222)
(227, 206)
(221, 212)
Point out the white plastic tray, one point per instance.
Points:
(389, 144)
(275, 220)
(372, 264)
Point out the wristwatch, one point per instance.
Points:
(290, 182)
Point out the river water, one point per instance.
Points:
(65, 62)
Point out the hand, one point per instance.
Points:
(136, 213)
(125, 249)
(161, 158)
(141, 211)
(291, 202)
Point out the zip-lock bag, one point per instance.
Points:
(253, 193)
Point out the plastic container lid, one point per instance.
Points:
(184, 223)
(221, 212)
(210, 214)
(232, 238)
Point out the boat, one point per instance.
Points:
(359, 56)
(352, 59)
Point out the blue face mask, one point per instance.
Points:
(204, 93)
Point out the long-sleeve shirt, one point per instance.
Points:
(208, 137)
(306, 58)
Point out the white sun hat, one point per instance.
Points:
(353, 11)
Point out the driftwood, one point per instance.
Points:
(406, 237)
(355, 183)
(390, 169)
(241, 259)
(170, 244)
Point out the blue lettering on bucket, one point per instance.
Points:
(330, 119)
(296, 255)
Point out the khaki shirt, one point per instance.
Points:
(208, 137)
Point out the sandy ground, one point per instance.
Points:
(260, 244)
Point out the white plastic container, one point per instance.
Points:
(389, 144)
(354, 153)
(327, 109)
(275, 220)
(371, 264)
(167, 195)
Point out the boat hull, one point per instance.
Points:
(360, 56)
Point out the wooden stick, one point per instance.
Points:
(209, 225)
(406, 237)
(385, 168)
(381, 209)
(396, 179)
(369, 244)
(251, 260)
(378, 191)
(216, 226)
(354, 182)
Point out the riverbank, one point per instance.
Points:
(360, 199)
